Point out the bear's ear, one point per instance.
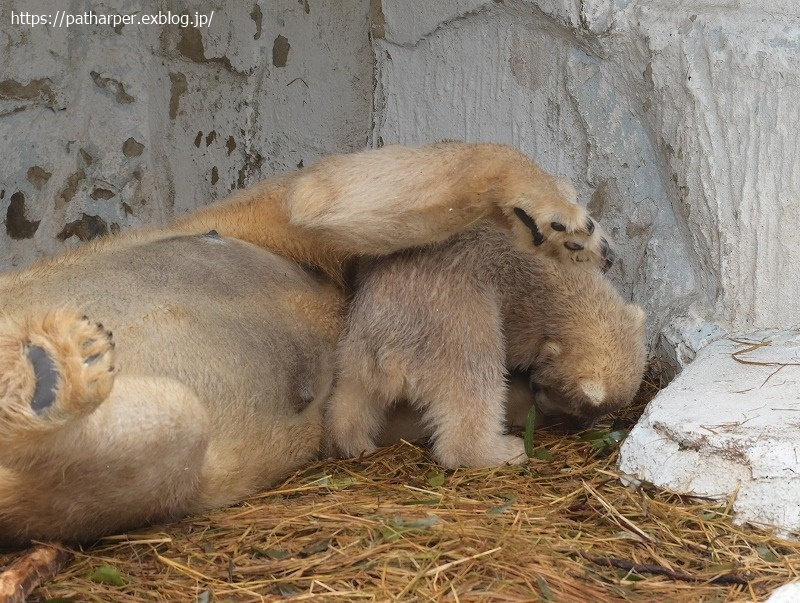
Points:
(550, 350)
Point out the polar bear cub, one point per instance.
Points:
(440, 327)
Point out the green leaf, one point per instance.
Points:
(106, 574)
(767, 554)
(604, 439)
(435, 479)
(545, 588)
(393, 530)
(342, 483)
(287, 590)
(422, 501)
(271, 553)
(498, 510)
(415, 524)
(530, 424)
(313, 549)
(543, 454)
(630, 576)
(388, 534)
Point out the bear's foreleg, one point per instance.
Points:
(380, 201)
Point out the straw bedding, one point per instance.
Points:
(395, 527)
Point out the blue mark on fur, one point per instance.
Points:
(44, 394)
(212, 236)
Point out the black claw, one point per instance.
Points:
(589, 225)
(44, 369)
(538, 237)
(608, 255)
(573, 246)
(558, 226)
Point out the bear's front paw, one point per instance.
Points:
(569, 236)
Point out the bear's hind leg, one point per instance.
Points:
(144, 455)
(53, 368)
(379, 201)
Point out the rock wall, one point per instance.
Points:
(106, 128)
(677, 121)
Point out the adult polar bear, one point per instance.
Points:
(225, 340)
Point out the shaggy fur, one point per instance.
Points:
(206, 380)
(439, 327)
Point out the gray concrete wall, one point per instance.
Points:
(108, 128)
(677, 121)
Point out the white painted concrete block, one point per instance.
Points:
(729, 425)
(788, 593)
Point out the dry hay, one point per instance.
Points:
(395, 527)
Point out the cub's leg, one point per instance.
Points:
(466, 413)
(354, 418)
(454, 374)
(53, 369)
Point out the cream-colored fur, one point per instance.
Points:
(439, 327)
(207, 378)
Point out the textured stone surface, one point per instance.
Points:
(108, 128)
(729, 426)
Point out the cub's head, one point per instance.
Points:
(593, 363)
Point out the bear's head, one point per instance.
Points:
(592, 364)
